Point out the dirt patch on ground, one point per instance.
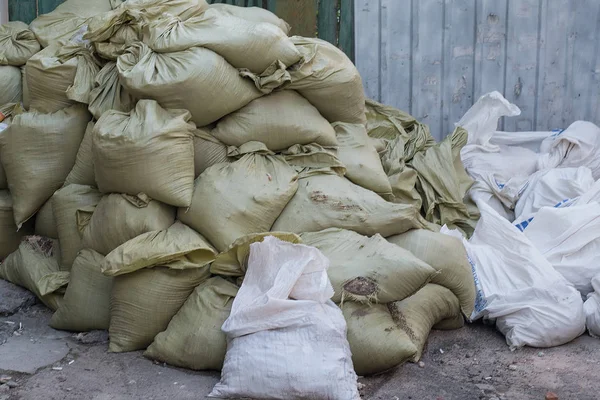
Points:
(472, 363)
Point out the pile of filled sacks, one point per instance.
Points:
(152, 141)
(536, 249)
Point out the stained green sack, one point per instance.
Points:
(86, 305)
(144, 302)
(149, 150)
(376, 342)
(120, 217)
(45, 224)
(179, 246)
(385, 122)
(65, 203)
(11, 84)
(448, 256)
(34, 266)
(253, 14)
(26, 98)
(17, 43)
(400, 136)
(116, 45)
(235, 199)
(9, 237)
(37, 152)
(279, 120)
(154, 275)
(208, 151)
(368, 269)
(108, 92)
(329, 80)
(61, 75)
(244, 44)
(3, 180)
(422, 173)
(105, 25)
(443, 183)
(6, 113)
(326, 200)
(196, 79)
(403, 179)
(83, 170)
(416, 315)
(313, 156)
(114, 31)
(67, 20)
(363, 166)
(194, 338)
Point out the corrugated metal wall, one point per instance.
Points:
(3, 11)
(434, 58)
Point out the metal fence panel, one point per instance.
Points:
(434, 58)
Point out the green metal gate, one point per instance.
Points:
(27, 10)
(331, 20)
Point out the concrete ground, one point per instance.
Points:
(40, 363)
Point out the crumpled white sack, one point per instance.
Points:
(500, 170)
(530, 301)
(576, 146)
(592, 308)
(531, 140)
(551, 187)
(285, 338)
(592, 195)
(569, 238)
(481, 120)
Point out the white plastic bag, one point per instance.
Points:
(285, 338)
(481, 120)
(592, 195)
(552, 188)
(500, 170)
(501, 195)
(569, 238)
(576, 146)
(592, 308)
(530, 301)
(529, 140)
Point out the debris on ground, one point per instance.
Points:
(150, 149)
(551, 396)
(92, 337)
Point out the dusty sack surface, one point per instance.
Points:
(149, 150)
